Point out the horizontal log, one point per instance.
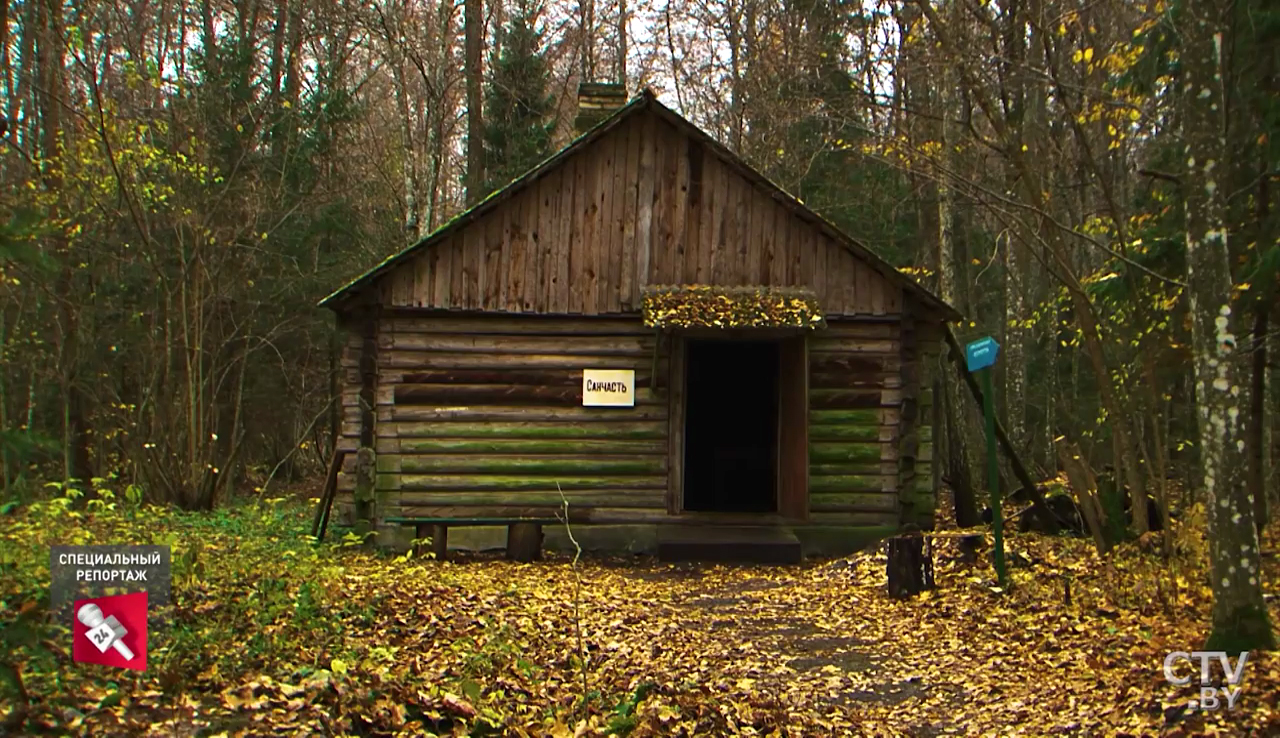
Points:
(844, 453)
(851, 364)
(621, 430)
(852, 502)
(842, 380)
(854, 483)
(871, 433)
(486, 394)
(639, 511)
(857, 468)
(855, 345)
(547, 499)
(496, 483)
(497, 394)
(882, 416)
(417, 360)
(643, 511)
(513, 377)
(495, 413)
(850, 399)
(885, 518)
(528, 447)
(420, 373)
(463, 343)
(516, 465)
(512, 325)
(837, 328)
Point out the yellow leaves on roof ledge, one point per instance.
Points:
(706, 306)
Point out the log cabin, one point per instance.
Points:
(646, 332)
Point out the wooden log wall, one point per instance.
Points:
(917, 480)
(482, 416)
(351, 424)
(924, 489)
(855, 409)
(643, 204)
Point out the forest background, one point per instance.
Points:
(1089, 182)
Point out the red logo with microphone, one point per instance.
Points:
(112, 631)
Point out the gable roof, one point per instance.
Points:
(647, 101)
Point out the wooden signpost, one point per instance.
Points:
(980, 356)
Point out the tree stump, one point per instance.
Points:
(524, 542)
(910, 566)
(969, 546)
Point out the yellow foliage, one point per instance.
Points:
(343, 641)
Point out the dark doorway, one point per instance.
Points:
(731, 426)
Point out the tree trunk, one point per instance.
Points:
(1012, 75)
(474, 21)
(622, 43)
(1259, 419)
(958, 477)
(958, 468)
(1083, 484)
(1240, 620)
(910, 565)
(52, 93)
(1271, 480)
(1015, 361)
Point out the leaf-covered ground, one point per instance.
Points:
(273, 635)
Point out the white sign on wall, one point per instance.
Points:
(608, 387)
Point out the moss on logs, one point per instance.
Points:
(853, 501)
(495, 482)
(533, 446)
(837, 453)
(846, 417)
(844, 433)
(851, 483)
(523, 465)
(846, 399)
(838, 470)
(550, 429)
(527, 503)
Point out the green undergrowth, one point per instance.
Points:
(329, 636)
(249, 587)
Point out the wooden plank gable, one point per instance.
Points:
(644, 203)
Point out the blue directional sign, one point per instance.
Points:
(981, 353)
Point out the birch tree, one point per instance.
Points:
(1240, 618)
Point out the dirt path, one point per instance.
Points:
(750, 616)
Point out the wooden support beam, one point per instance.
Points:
(321, 522)
(439, 535)
(440, 542)
(524, 542)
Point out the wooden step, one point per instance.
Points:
(762, 544)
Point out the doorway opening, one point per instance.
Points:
(731, 426)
